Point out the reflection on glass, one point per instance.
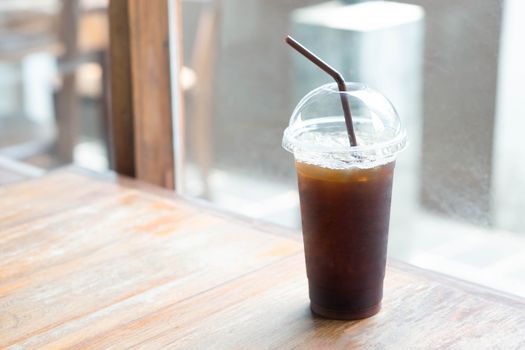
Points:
(452, 69)
(53, 71)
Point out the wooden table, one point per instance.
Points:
(94, 264)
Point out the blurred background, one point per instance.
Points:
(453, 69)
(53, 66)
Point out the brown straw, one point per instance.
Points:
(338, 79)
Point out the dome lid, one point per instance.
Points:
(317, 131)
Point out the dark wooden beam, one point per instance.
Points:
(150, 73)
(121, 125)
(141, 90)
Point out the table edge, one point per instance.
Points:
(283, 232)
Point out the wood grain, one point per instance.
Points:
(141, 119)
(98, 264)
(70, 262)
(151, 93)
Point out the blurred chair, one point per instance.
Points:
(83, 34)
(25, 29)
(76, 33)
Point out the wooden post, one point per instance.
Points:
(66, 98)
(141, 91)
(121, 119)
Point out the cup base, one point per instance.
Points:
(345, 315)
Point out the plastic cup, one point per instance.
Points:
(345, 194)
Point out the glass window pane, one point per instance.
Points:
(53, 68)
(452, 69)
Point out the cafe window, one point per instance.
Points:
(54, 83)
(453, 71)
